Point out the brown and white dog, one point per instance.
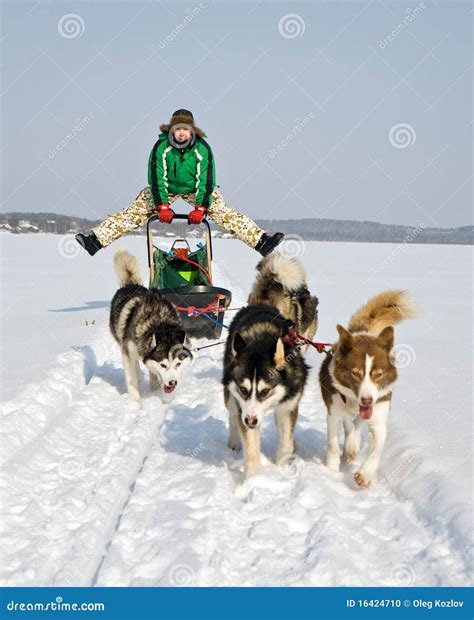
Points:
(358, 377)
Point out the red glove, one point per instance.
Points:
(165, 214)
(196, 215)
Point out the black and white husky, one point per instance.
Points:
(263, 370)
(146, 328)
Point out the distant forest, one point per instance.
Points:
(307, 229)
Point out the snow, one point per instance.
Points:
(96, 493)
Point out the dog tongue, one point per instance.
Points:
(168, 389)
(365, 412)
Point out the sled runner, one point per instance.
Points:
(184, 277)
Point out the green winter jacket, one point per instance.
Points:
(171, 171)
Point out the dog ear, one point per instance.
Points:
(386, 337)
(279, 357)
(238, 344)
(345, 338)
(181, 335)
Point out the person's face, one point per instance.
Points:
(182, 133)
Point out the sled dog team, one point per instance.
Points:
(264, 367)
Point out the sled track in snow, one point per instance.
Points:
(97, 493)
(196, 523)
(69, 482)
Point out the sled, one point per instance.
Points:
(184, 277)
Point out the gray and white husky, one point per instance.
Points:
(147, 328)
(263, 370)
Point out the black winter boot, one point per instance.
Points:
(267, 244)
(90, 243)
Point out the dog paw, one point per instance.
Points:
(362, 480)
(234, 445)
(350, 455)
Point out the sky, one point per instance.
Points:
(345, 110)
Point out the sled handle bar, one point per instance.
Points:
(177, 216)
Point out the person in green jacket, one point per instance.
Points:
(181, 165)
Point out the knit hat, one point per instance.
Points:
(182, 117)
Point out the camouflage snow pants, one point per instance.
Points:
(137, 214)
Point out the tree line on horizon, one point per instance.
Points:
(308, 229)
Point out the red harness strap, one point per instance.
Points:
(293, 339)
(192, 310)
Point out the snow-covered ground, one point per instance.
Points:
(95, 493)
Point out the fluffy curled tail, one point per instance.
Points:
(387, 308)
(284, 269)
(127, 268)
